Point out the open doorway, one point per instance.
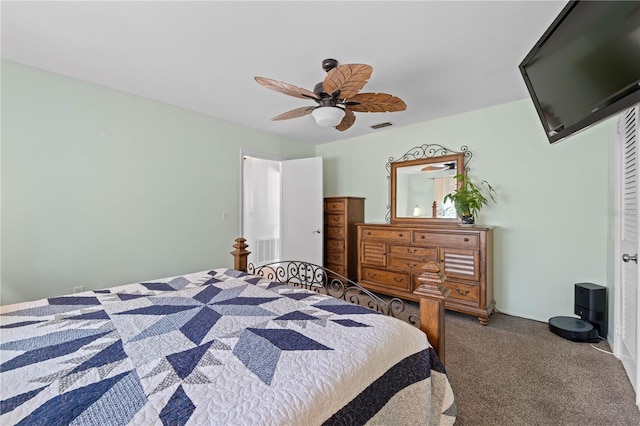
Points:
(261, 204)
(282, 208)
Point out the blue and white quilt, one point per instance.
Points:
(217, 347)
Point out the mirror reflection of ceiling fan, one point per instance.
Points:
(337, 96)
(436, 167)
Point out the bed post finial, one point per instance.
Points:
(240, 255)
(432, 295)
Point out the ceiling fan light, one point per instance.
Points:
(328, 116)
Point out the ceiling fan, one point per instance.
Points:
(337, 96)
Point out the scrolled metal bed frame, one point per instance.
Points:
(322, 280)
(314, 277)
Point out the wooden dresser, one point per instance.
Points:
(391, 257)
(340, 234)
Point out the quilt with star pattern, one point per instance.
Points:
(218, 347)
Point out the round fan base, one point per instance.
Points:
(329, 64)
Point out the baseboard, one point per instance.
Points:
(611, 342)
(530, 317)
(520, 315)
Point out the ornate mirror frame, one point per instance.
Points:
(423, 155)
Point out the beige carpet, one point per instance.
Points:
(516, 372)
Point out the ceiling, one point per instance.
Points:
(442, 58)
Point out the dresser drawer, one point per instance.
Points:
(406, 262)
(334, 219)
(335, 257)
(334, 231)
(334, 245)
(422, 253)
(463, 292)
(446, 240)
(334, 205)
(391, 235)
(385, 278)
(337, 268)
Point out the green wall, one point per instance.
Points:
(551, 216)
(101, 188)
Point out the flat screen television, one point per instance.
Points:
(586, 66)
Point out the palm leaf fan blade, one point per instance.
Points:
(347, 121)
(294, 113)
(348, 79)
(285, 88)
(376, 102)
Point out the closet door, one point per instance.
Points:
(627, 306)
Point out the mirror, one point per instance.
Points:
(419, 184)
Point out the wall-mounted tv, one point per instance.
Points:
(586, 66)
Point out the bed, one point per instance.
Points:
(220, 346)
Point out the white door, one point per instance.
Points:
(627, 330)
(302, 205)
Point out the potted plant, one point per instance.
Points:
(469, 198)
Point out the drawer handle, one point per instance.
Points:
(463, 293)
(398, 279)
(372, 275)
(466, 240)
(422, 237)
(399, 235)
(409, 265)
(412, 250)
(369, 233)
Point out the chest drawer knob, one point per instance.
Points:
(400, 235)
(466, 240)
(463, 293)
(422, 237)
